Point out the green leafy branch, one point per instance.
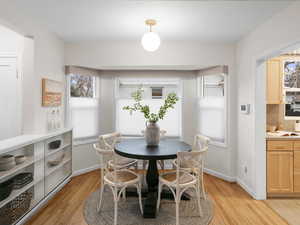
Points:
(137, 96)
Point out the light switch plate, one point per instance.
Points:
(245, 108)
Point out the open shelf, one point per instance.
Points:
(30, 160)
(17, 192)
(52, 152)
(46, 178)
(54, 168)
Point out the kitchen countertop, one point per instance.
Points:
(280, 135)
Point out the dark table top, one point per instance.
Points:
(138, 149)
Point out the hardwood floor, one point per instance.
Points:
(287, 208)
(232, 205)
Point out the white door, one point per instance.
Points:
(10, 113)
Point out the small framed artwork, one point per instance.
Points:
(52, 92)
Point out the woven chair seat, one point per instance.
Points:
(121, 176)
(170, 178)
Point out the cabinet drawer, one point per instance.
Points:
(280, 145)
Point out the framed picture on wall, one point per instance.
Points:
(52, 92)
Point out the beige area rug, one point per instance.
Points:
(129, 213)
(289, 209)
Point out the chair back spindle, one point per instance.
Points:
(105, 150)
(200, 143)
(193, 159)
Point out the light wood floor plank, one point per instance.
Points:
(232, 205)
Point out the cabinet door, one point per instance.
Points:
(274, 82)
(296, 171)
(280, 175)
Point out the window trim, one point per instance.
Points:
(68, 115)
(200, 94)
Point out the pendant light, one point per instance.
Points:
(150, 40)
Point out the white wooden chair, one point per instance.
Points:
(200, 145)
(181, 180)
(112, 175)
(122, 162)
(160, 162)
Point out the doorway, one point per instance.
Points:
(260, 122)
(10, 113)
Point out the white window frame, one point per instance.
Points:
(200, 94)
(68, 115)
(160, 82)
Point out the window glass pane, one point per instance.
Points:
(84, 106)
(213, 85)
(211, 118)
(157, 92)
(211, 104)
(85, 117)
(292, 104)
(82, 86)
(135, 123)
(292, 74)
(154, 94)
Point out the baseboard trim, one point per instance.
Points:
(206, 170)
(219, 175)
(247, 188)
(85, 170)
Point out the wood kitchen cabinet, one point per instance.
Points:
(274, 81)
(297, 171)
(283, 168)
(280, 167)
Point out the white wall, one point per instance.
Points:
(107, 54)
(275, 34)
(11, 45)
(10, 41)
(48, 62)
(97, 54)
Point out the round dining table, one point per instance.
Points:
(138, 149)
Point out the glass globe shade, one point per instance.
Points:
(150, 41)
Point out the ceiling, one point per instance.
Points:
(214, 21)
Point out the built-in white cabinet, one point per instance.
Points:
(47, 166)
